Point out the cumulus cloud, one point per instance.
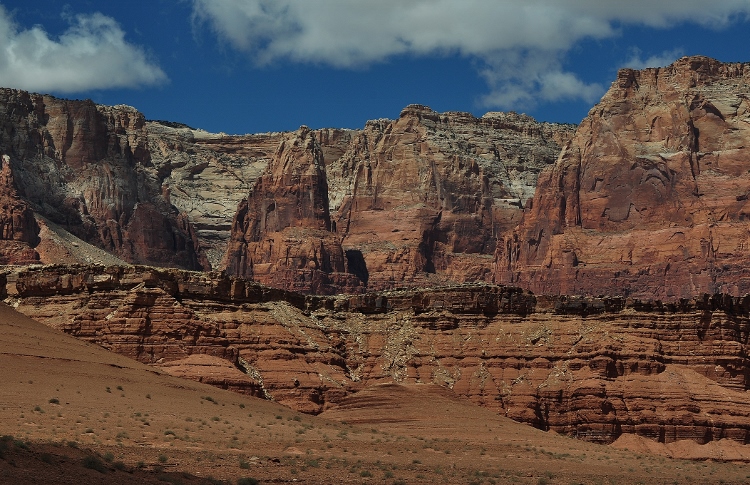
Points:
(665, 58)
(91, 54)
(521, 78)
(530, 36)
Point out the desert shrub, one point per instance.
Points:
(5, 442)
(162, 458)
(54, 400)
(247, 481)
(365, 473)
(94, 463)
(108, 457)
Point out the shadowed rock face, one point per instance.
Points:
(88, 169)
(589, 367)
(650, 198)
(19, 232)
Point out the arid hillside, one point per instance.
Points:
(72, 412)
(596, 369)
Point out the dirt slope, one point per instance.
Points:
(72, 408)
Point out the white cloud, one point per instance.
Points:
(91, 54)
(658, 60)
(520, 43)
(520, 79)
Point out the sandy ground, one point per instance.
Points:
(71, 412)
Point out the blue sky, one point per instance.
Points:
(248, 66)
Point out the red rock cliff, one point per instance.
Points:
(88, 169)
(650, 198)
(420, 200)
(281, 234)
(593, 368)
(19, 232)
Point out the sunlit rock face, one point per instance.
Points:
(650, 198)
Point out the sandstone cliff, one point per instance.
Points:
(650, 198)
(206, 175)
(421, 200)
(87, 168)
(415, 201)
(281, 234)
(18, 228)
(592, 368)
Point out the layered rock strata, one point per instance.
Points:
(206, 175)
(417, 200)
(590, 367)
(650, 198)
(422, 199)
(87, 168)
(281, 234)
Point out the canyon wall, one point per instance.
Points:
(87, 169)
(419, 200)
(590, 367)
(650, 198)
(415, 201)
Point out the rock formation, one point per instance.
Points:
(588, 367)
(418, 200)
(281, 234)
(19, 232)
(650, 198)
(421, 200)
(415, 201)
(206, 175)
(87, 168)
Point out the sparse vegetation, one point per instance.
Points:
(247, 481)
(94, 463)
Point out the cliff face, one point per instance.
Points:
(593, 368)
(420, 200)
(650, 198)
(415, 201)
(87, 168)
(281, 234)
(18, 228)
(206, 175)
